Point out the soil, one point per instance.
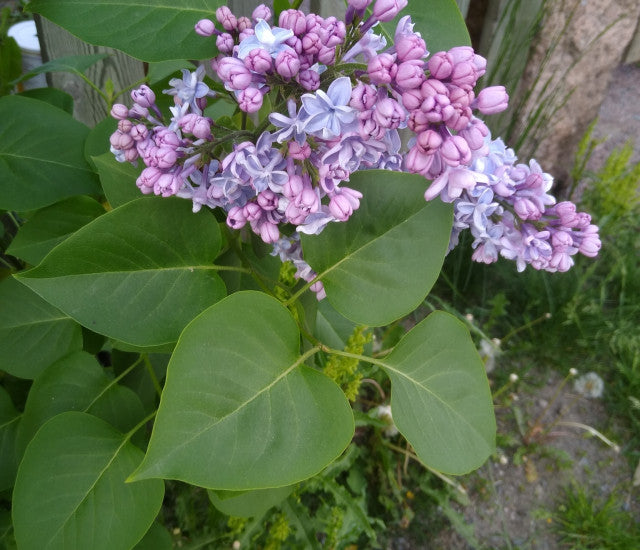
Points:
(514, 494)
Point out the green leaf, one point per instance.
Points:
(118, 179)
(157, 538)
(248, 504)
(70, 492)
(241, 410)
(332, 328)
(380, 265)
(9, 418)
(151, 30)
(439, 22)
(33, 333)
(75, 64)
(97, 142)
(51, 225)
(37, 167)
(440, 397)
(77, 383)
(53, 96)
(138, 274)
(10, 62)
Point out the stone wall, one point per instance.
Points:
(592, 39)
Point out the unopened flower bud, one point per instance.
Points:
(386, 10)
(225, 43)
(226, 18)
(492, 100)
(287, 64)
(382, 68)
(261, 12)
(309, 80)
(440, 65)
(119, 111)
(410, 74)
(205, 27)
(259, 61)
(250, 100)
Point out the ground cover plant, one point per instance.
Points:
(222, 272)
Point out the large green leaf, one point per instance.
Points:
(70, 492)
(379, 266)
(118, 179)
(239, 409)
(151, 30)
(440, 397)
(139, 273)
(33, 333)
(248, 504)
(37, 167)
(77, 383)
(57, 98)
(75, 64)
(438, 21)
(9, 418)
(51, 225)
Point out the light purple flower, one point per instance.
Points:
(271, 39)
(189, 89)
(327, 113)
(291, 127)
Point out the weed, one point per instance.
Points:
(585, 521)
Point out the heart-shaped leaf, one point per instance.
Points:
(9, 418)
(139, 273)
(380, 265)
(77, 383)
(39, 168)
(440, 397)
(70, 492)
(240, 410)
(151, 30)
(33, 333)
(118, 179)
(51, 225)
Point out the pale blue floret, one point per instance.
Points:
(327, 113)
(267, 38)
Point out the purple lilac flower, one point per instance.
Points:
(189, 89)
(271, 39)
(327, 113)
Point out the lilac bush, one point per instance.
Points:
(346, 101)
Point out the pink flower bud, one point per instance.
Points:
(475, 133)
(309, 79)
(167, 185)
(410, 46)
(225, 43)
(268, 200)
(252, 212)
(287, 64)
(299, 152)
(417, 162)
(307, 201)
(311, 43)
(464, 74)
(526, 209)
(327, 56)
(147, 179)
(244, 24)
(440, 65)
(340, 207)
(359, 4)
(386, 10)
(259, 61)
(269, 232)
(429, 141)
(294, 20)
(412, 99)
(125, 125)
(234, 73)
(382, 68)
(119, 111)
(261, 12)
(236, 218)
(120, 140)
(410, 74)
(492, 100)
(455, 151)
(205, 27)
(590, 245)
(250, 100)
(139, 132)
(226, 19)
(460, 54)
(389, 114)
(363, 97)
(165, 157)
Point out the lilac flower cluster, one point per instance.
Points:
(338, 98)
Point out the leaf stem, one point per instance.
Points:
(231, 268)
(114, 382)
(139, 425)
(154, 379)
